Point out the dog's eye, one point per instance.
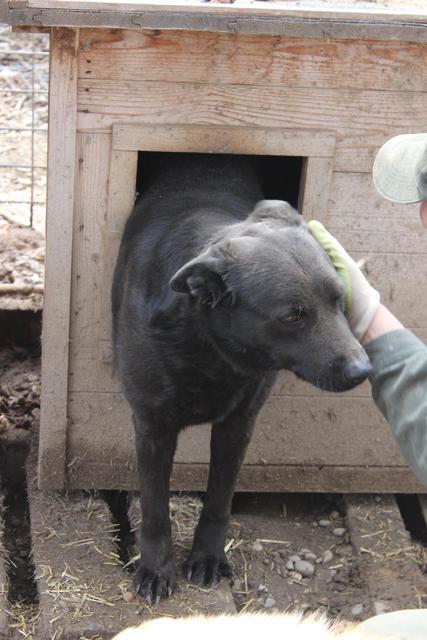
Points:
(293, 318)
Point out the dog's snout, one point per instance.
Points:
(343, 373)
(356, 371)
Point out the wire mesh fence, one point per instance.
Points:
(24, 59)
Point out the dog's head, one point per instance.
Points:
(271, 299)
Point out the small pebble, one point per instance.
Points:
(380, 607)
(294, 558)
(324, 523)
(323, 601)
(334, 515)
(265, 561)
(310, 556)
(270, 602)
(257, 546)
(357, 610)
(305, 551)
(339, 532)
(319, 560)
(276, 556)
(306, 569)
(333, 573)
(262, 588)
(289, 565)
(327, 556)
(128, 596)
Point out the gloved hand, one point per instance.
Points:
(361, 300)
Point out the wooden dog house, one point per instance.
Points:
(325, 83)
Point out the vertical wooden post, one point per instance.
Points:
(316, 185)
(60, 200)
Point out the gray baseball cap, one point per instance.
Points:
(400, 168)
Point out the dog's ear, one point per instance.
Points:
(202, 279)
(276, 210)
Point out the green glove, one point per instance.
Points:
(361, 300)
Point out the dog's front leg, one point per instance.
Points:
(155, 575)
(207, 562)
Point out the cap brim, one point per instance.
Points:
(394, 172)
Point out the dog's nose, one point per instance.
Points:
(356, 371)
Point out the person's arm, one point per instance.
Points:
(399, 359)
(399, 389)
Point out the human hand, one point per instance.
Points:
(361, 300)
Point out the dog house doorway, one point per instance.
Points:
(280, 176)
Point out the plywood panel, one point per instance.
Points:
(295, 430)
(89, 225)
(218, 58)
(358, 118)
(400, 278)
(60, 201)
(365, 222)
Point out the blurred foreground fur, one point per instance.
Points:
(256, 626)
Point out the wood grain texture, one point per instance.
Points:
(278, 18)
(60, 203)
(87, 295)
(297, 430)
(121, 198)
(400, 278)
(359, 119)
(281, 478)
(232, 139)
(217, 58)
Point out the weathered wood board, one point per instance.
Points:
(390, 20)
(332, 101)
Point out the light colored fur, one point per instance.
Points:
(250, 626)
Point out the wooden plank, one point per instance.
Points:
(278, 18)
(259, 478)
(401, 279)
(290, 431)
(233, 139)
(316, 185)
(60, 201)
(87, 295)
(357, 118)
(121, 199)
(217, 58)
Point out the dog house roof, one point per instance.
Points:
(386, 19)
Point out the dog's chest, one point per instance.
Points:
(209, 395)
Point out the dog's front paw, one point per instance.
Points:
(207, 569)
(155, 584)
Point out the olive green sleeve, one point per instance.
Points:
(399, 388)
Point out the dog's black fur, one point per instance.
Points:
(215, 290)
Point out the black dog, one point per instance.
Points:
(212, 295)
